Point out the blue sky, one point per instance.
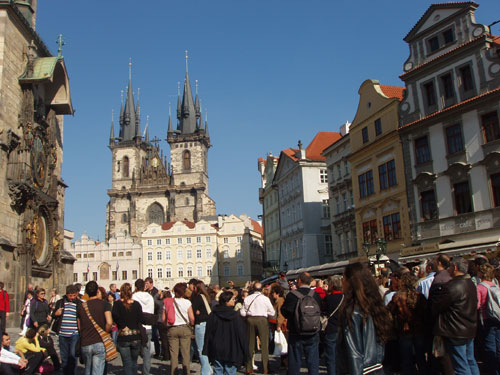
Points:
(270, 72)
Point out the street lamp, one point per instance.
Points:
(366, 248)
(381, 249)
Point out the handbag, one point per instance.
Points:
(207, 306)
(324, 319)
(109, 345)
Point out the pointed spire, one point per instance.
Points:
(112, 132)
(130, 128)
(206, 124)
(146, 130)
(138, 116)
(179, 108)
(170, 130)
(187, 119)
(197, 102)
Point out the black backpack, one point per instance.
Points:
(307, 316)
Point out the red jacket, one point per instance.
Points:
(4, 301)
(321, 292)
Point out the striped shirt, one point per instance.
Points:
(68, 320)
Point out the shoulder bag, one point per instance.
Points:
(182, 316)
(324, 319)
(109, 346)
(207, 306)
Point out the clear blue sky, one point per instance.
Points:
(270, 72)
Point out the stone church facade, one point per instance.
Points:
(34, 92)
(145, 187)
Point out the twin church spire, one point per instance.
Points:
(189, 116)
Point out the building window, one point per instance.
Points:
(134, 274)
(167, 241)
(454, 139)
(392, 227)
(208, 253)
(466, 78)
(188, 240)
(209, 270)
(225, 253)
(179, 254)
(239, 253)
(323, 176)
(158, 242)
(447, 87)
(448, 36)
(124, 218)
(75, 277)
(150, 242)
(370, 231)
(114, 274)
(158, 255)
(428, 204)
(167, 255)
(366, 184)
(346, 166)
(495, 187)
(124, 275)
(125, 166)
(186, 159)
(180, 272)
(159, 273)
(128, 253)
(463, 201)
(344, 198)
(168, 272)
(198, 239)
(155, 214)
(226, 240)
(491, 128)
(328, 244)
(325, 209)
(378, 127)
(239, 239)
(179, 240)
(150, 272)
(207, 239)
(422, 151)
(226, 270)
(198, 253)
(189, 254)
(190, 271)
(430, 94)
(240, 269)
(150, 256)
(364, 134)
(433, 43)
(387, 175)
(85, 276)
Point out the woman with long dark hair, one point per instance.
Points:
(408, 308)
(201, 309)
(365, 322)
(127, 314)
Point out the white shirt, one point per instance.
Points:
(257, 304)
(183, 305)
(147, 303)
(9, 357)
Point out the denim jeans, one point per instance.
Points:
(411, 352)
(489, 331)
(129, 351)
(224, 368)
(330, 341)
(462, 357)
(94, 357)
(303, 345)
(67, 347)
(146, 355)
(199, 335)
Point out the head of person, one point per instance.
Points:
(304, 279)
(2, 285)
(192, 284)
(43, 330)
(361, 292)
(53, 292)
(227, 299)
(101, 293)
(335, 283)
(79, 286)
(30, 334)
(201, 289)
(458, 266)
(126, 292)
(30, 287)
(5, 340)
(486, 272)
(148, 283)
(430, 266)
(442, 262)
(139, 285)
(91, 289)
(112, 287)
(282, 275)
(396, 278)
(29, 294)
(111, 298)
(478, 262)
(277, 291)
(216, 288)
(40, 294)
(180, 290)
(72, 292)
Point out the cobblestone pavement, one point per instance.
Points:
(163, 367)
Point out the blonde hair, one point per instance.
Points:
(43, 330)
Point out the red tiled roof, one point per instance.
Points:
(450, 108)
(393, 91)
(321, 141)
(261, 160)
(170, 224)
(257, 227)
(291, 153)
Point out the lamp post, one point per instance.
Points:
(366, 248)
(381, 249)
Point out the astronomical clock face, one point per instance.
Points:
(41, 247)
(38, 162)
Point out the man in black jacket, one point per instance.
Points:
(299, 345)
(456, 311)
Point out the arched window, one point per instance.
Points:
(125, 166)
(104, 271)
(186, 159)
(155, 214)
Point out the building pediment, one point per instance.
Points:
(424, 180)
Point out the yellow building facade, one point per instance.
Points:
(378, 179)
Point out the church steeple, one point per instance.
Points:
(170, 130)
(187, 118)
(129, 121)
(112, 131)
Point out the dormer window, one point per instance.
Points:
(448, 36)
(440, 40)
(433, 43)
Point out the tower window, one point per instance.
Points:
(186, 160)
(124, 218)
(125, 166)
(155, 214)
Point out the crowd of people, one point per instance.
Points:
(436, 318)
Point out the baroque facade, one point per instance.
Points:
(34, 87)
(450, 131)
(145, 188)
